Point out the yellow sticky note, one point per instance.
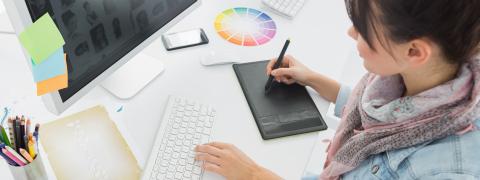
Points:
(53, 84)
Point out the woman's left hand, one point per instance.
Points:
(228, 161)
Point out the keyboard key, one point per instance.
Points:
(196, 107)
(180, 169)
(189, 167)
(187, 174)
(169, 175)
(185, 149)
(197, 170)
(178, 175)
(182, 162)
(160, 176)
(206, 131)
(171, 168)
(163, 170)
(164, 163)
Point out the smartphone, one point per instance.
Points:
(184, 39)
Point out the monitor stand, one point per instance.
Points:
(131, 78)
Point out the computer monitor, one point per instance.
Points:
(100, 37)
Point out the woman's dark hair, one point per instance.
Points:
(452, 24)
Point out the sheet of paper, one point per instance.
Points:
(41, 39)
(88, 145)
(319, 154)
(53, 66)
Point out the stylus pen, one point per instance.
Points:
(268, 86)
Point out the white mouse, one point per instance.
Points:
(219, 58)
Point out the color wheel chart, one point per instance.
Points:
(245, 26)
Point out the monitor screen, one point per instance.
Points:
(98, 33)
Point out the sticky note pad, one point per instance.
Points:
(41, 39)
(53, 84)
(53, 66)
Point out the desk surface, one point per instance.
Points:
(319, 40)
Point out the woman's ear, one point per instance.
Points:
(419, 52)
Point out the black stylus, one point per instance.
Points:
(277, 64)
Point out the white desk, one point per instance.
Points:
(319, 40)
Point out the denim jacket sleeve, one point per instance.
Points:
(342, 99)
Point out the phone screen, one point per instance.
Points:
(184, 39)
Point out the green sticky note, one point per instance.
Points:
(41, 39)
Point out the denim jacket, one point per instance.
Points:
(453, 157)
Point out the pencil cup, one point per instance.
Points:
(33, 171)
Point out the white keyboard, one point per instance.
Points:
(185, 124)
(289, 8)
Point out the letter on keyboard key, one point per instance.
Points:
(206, 131)
(164, 163)
(189, 167)
(171, 168)
(197, 170)
(163, 170)
(160, 176)
(187, 174)
(191, 159)
(169, 175)
(180, 168)
(178, 175)
(182, 162)
(196, 107)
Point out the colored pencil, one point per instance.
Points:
(5, 136)
(10, 132)
(22, 134)
(26, 155)
(31, 148)
(10, 154)
(9, 161)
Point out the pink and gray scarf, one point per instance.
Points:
(377, 118)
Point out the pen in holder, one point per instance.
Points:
(33, 171)
(19, 149)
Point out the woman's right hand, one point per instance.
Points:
(290, 71)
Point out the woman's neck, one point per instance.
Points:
(423, 78)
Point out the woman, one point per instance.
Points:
(416, 113)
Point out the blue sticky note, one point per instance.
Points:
(51, 67)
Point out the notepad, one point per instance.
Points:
(53, 66)
(286, 110)
(88, 145)
(41, 39)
